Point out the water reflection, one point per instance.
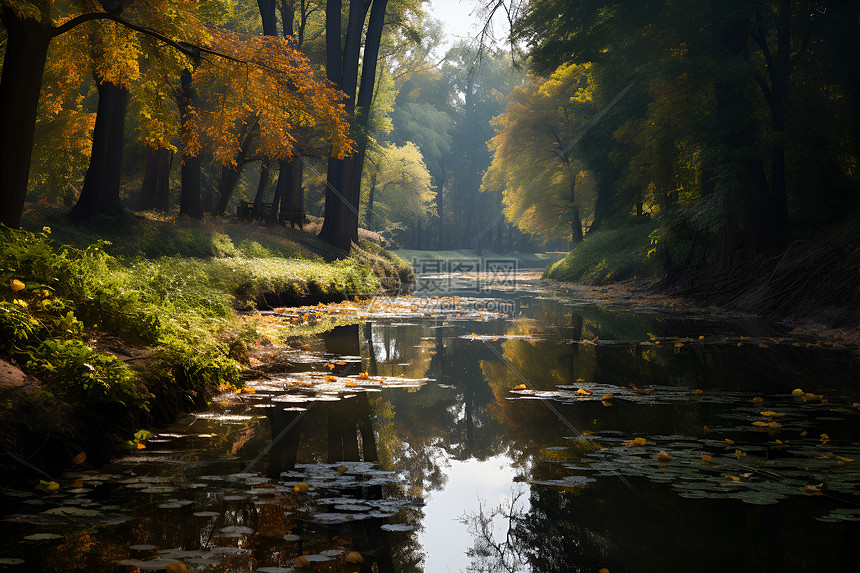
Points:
(381, 459)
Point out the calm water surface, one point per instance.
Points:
(484, 440)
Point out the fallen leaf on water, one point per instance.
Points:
(701, 337)
(177, 567)
(797, 392)
(699, 391)
(270, 533)
(771, 413)
(730, 442)
(707, 459)
(79, 459)
(354, 557)
(608, 396)
(582, 392)
(733, 478)
(803, 434)
(363, 376)
(740, 454)
(824, 438)
(306, 346)
(330, 366)
(301, 562)
(341, 363)
(495, 339)
(603, 570)
(48, 486)
(520, 387)
(705, 429)
(141, 446)
(635, 442)
(758, 400)
(606, 403)
(341, 470)
(813, 489)
(349, 383)
(301, 487)
(331, 378)
(663, 456)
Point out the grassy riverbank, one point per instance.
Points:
(813, 281)
(100, 339)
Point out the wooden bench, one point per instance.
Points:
(292, 215)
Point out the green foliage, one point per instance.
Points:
(608, 256)
(76, 372)
(17, 326)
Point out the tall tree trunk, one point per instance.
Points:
(257, 210)
(189, 201)
(293, 198)
(26, 53)
(267, 14)
(440, 207)
(100, 192)
(340, 226)
(155, 193)
(575, 220)
(230, 173)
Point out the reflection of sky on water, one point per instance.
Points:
(470, 483)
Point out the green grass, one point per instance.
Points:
(69, 298)
(524, 260)
(608, 256)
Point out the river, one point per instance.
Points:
(497, 425)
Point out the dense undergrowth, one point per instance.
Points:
(119, 335)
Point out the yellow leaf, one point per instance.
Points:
(733, 478)
(699, 392)
(79, 459)
(363, 376)
(740, 454)
(520, 387)
(770, 413)
(16, 285)
(730, 441)
(797, 392)
(582, 392)
(606, 403)
(707, 459)
(758, 400)
(608, 396)
(141, 446)
(177, 567)
(348, 383)
(341, 470)
(354, 557)
(824, 438)
(663, 456)
(301, 487)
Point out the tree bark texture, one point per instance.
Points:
(100, 192)
(24, 63)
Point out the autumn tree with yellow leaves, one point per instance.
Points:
(267, 76)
